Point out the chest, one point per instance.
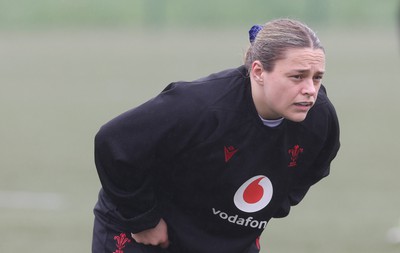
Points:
(218, 166)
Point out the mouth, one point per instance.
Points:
(304, 104)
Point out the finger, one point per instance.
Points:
(139, 239)
(134, 237)
(165, 244)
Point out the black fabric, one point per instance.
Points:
(107, 239)
(185, 154)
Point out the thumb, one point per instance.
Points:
(165, 244)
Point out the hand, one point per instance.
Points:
(157, 236)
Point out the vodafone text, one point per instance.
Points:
(247, 222)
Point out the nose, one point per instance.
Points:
(309, 87)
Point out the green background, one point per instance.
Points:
(67, 67)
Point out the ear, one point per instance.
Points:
(257, 71)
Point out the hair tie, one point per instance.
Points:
(253, 32)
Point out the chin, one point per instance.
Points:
(298, 117)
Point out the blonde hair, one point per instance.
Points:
(277, 36)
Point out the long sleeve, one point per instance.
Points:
(321, 166)
(128, 152)
(131, 149)
(327, 127)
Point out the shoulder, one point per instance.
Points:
(324, 105)
(208, 87)
(220, 89)
(185, 104)
(322, 118)
(323, 98)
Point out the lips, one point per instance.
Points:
(304, 104)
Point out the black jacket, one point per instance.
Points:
(199, 156)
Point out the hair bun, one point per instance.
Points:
(253, 32)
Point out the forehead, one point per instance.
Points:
(303, 59)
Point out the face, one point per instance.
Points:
(291, 88)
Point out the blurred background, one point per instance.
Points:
(67, 67)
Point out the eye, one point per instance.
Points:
(318, 78)
(297, 77)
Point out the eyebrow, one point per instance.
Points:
(307, 70)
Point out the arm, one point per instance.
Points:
(130, 149)
(133, 148)
(320, 167)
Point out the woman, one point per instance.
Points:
(206, 164)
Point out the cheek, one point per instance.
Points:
(276, 88)
(273, 87)
(275, 98)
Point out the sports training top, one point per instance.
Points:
(199, 156)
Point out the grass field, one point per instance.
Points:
(57, 88)
(24, 14)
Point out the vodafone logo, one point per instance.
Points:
(254, 194)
